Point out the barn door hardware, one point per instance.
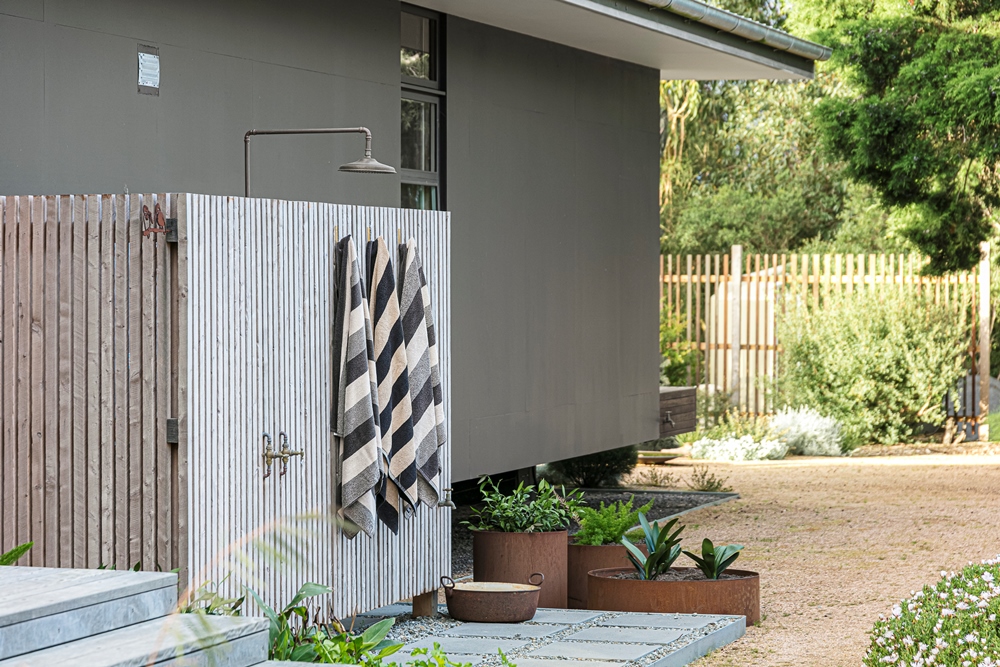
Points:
(153, 223)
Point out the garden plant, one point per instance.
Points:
(525, 509)
(953, 622)
(609, 523)
(663, 546)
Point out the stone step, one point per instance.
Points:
(190, 640)
(44, 607)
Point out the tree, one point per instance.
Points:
(922, 126)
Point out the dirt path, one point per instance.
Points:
(838, 541)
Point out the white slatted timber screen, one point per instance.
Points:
(259, 327)
(89, 352)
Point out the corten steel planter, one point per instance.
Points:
(582, 558)
(513, 557)
(737, 597)
(491, 601)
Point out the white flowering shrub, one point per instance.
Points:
(807, 432)
(744, 448)
(951, 624)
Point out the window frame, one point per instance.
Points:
(425, 90)
(437, 20)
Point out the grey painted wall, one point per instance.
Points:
(552, 179)
(552, 183)
(71, 120)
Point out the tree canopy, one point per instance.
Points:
(923, 125)
(895, 145)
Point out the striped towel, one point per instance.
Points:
(355, 412)
(393, 390)
(425, 378)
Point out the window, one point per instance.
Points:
(421, 109)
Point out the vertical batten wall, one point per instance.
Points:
(260, 322)
(88, 367)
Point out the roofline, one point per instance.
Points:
(742, 27)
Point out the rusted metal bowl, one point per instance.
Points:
(492, 601)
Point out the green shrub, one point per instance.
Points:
(524, 510)
(951, 623)
(607, 524)
(595, 470)
(676, 353)
(879, 363)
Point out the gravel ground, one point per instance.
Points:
(839, 541)
(665, 503)
(408, 629)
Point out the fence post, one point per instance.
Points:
(985, 321)
(735, 308)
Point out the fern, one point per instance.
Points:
(608, 524)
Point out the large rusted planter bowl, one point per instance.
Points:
(736, 597)
(582, 558)
(513, 557)
(492, 601)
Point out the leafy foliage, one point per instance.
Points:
(368, 648)
(11, 557)
(805, 431)
(206, 600)
(702, 479)
(951, 623)
(744, 448)
(923, 124)
(662, 544)
(524, 510)
(676, 353)
(597, 469)
(879, 363)
(714, 561)
(607, 524)
(290, 636)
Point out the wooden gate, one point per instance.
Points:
(88, 364)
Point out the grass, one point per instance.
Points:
(993, 419)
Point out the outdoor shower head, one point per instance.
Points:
(366, 165)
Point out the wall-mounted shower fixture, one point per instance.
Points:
(365, 165)
(285, 452)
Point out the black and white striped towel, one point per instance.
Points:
(355, 413)
(393, 390)
(424, 375)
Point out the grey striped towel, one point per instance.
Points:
(355, 413)
(425, 379)
(393, 390)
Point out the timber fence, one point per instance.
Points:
(729, 305)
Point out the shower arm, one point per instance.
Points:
(318, 130)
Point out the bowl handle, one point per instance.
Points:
(448, 584)
(541, 579)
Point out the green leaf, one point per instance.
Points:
(308, 590)
(15, 554)
(377, 632)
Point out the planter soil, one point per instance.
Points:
(738, 595)
(513, 557)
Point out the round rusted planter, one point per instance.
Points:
(513, 557)
(581, 559)
(737, 597)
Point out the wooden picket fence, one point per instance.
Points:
(87, 380)
(700, 291)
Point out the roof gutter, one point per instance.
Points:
(742, 27)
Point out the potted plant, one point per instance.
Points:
(597, 545)
(652, 585)
(515, 535)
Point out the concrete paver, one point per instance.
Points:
(681, 621)
(630, 635)
(594, 650)
(504, 630)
